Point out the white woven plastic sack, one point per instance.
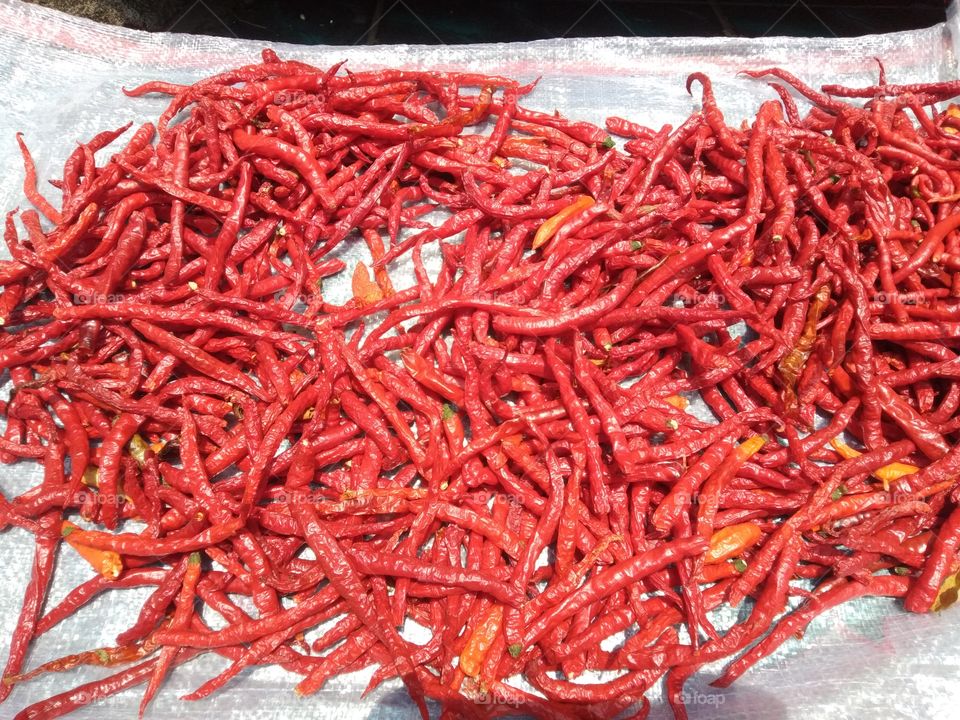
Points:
(61, 79)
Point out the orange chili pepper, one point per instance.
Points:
(457, 680)
(554, 223)
(731, 541)
(471, 658)
(710, 492)
(365, 290)
(792, 365)
(750, 447)
(718, 571)
(106, 562)
(678, 401)
(459, 120)
(380, 274)
(887, 474)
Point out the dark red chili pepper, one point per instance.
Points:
(41, 576)
(181, 617)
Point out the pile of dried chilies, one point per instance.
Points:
(496, 447)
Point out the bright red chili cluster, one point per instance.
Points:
(502, 450)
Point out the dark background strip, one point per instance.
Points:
(460, 21)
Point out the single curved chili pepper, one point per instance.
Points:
(227, 236)
(551, 325)
(181, 617)
(303, 163)
(41, 575)
(713, 116)
(795, 622)
(87, 591)
(30, 185)
(731, 541)
(924, 590)
(105, 657)
(108, 475)
(108, 563)
(481, 638)
(135, 545)
(371, 562)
